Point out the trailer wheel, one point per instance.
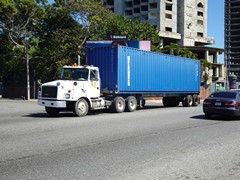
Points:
(52, 112)
(195, 100)
(81, 108)
(187, 101)
(118, 105)
(131, 104)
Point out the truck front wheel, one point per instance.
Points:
(53, 112)
(81, 108)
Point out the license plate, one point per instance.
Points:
(218, 104)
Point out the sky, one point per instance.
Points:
(216, 23)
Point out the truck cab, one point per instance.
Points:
(77, 90)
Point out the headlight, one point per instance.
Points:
(67, 96)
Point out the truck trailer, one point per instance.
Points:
(119, 78)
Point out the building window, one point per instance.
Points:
(110, 2)
(136, 2)
(153, 15)
(168, 7)
(128, 12)
(168, 29)
(144, 8)
(144, 17)
(128, 4)
(153, 5)
(136, 10)
(199, 13)
(200, 22)
(168, 16)
(144, 0)
(199, 34)
(200, 5)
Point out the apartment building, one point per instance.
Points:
(232, 37)
(180, 21)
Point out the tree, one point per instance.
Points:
(135, 30)
(63, 32)
(17, 21)
(175, 49)
(172, 49)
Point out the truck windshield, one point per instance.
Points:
(80, 74)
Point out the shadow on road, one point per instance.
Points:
(216, 118)
(45, 115)
(96, 112)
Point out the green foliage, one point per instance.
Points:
(175, 49)
(17, 21)
(205, 63)
(119, 24)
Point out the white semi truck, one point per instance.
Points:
(120, 79)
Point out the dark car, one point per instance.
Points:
(226, 103)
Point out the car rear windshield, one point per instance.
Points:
(224, 94)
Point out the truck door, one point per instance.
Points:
(95, 83)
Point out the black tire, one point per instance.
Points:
(195, 100)
(52, 112)
(118, 105)
(207, 116)
(131, 104)
(81, 108)
(143, 103)
(187, 101)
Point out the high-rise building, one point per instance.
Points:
(180, 21)
(232, 37)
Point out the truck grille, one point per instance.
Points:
(49, 91)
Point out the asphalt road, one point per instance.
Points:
(152, 143)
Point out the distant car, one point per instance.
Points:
(226, 103)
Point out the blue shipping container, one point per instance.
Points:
(130, 70)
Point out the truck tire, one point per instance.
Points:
(81, 108)
(118, 105)
(187, 101)
(195, 100)
(52, 112)
(131, 104)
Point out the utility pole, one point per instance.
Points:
(27, 64)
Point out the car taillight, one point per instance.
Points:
(207, 101)
(231, 103)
